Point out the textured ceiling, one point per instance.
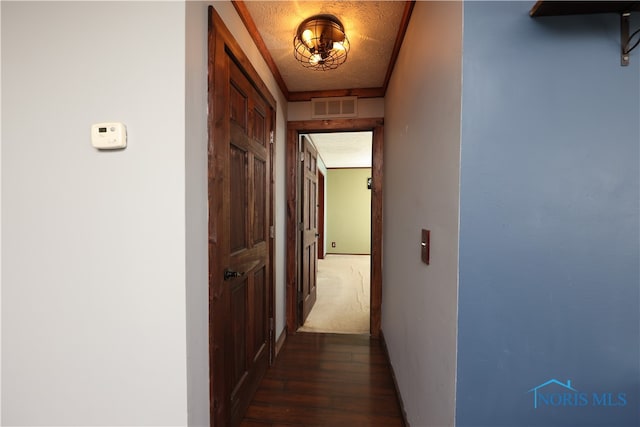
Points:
(371, 26)
(344, 150)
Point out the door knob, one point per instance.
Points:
(230, 274)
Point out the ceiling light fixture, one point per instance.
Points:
(320, 43)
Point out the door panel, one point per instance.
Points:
(259, 127)
(260, 310)
(238, 105)
(260, 200)
(238, 319)
(238, 200)
(309, 250)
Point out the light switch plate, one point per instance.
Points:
(425, 245)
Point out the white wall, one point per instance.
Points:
(108, 251)
(421, 189)
(93, 243)
(0, 221)
(367, 108)
(197, 215)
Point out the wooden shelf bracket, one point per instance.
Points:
(625, 38)
(624, 8)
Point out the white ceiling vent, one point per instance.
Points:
(328, 108)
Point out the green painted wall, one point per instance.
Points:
(348, 211)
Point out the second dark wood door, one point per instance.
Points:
(309, 221)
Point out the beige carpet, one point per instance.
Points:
(343, 300)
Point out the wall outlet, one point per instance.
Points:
(333, 244)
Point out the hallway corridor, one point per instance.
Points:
(327, 380)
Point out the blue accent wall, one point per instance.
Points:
(549, 284)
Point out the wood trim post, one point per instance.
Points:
(376, 231)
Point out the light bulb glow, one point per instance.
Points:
(307, 38)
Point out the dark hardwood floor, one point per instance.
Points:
(327, 380)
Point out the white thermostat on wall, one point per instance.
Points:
(109, 136)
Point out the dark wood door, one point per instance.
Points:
(309, 221)
(240, 246)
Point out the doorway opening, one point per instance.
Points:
(296, 202)
(341, 303)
